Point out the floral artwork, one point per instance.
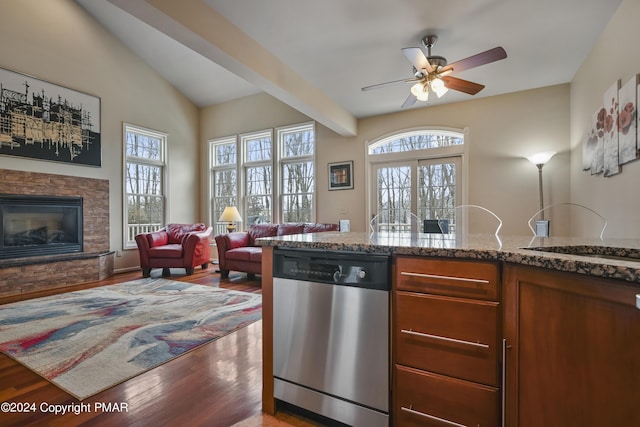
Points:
(627, 140)
(611, 149)
(593, 146)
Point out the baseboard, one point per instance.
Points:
(125, 270)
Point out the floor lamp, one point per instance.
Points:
(539, 160)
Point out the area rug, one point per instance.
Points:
(90, 340)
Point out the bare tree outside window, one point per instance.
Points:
(224, 179)
(434, 192)
(244, 170)
(144, 181)
(297, 171)
(258, 176)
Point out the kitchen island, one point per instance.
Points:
(566, 318)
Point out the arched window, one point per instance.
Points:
(416, 172)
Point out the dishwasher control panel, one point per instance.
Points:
(343, 268)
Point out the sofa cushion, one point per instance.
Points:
(177, 232)
(317, 228)
(166, 251)
(237, 239)
(157, 238)
(262, 230)
(249, 253)
(256, 256)
(286, 229)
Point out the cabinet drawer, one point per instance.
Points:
(450, 336)
(428, 399)
(467, 279)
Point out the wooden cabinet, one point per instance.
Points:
(446, 342)
(573, 349)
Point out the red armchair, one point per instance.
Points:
(175, 246)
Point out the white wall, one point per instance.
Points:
(615, 56)
(57, 41)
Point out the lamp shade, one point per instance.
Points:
(541, 158)
(438, 87)
(230, 214)
(420, 91)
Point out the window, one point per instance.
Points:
(224, 179)
(258, 173)
(144, 204)
(415, 172)
(268, 181)
(297, 147)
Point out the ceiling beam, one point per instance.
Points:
(201, 28)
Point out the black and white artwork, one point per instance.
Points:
(44, 121)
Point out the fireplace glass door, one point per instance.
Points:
(40, 225)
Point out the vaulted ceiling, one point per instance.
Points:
(317, 55)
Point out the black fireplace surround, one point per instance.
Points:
(39, 225)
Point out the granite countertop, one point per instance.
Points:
(608, 258)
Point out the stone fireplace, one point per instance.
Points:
(55, 231)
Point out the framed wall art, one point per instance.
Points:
(45, 121)
(341, 176)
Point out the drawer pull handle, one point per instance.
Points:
(638, 301)
(431, 417)
(438, 337)
(436, 276)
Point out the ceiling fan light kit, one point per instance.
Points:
(420, 91)
(433, 73)
(438, 87)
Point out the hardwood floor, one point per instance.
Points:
(218, 384)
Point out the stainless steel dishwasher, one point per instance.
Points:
(331, 334)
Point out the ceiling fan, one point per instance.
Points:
(432, 73)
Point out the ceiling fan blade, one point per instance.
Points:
(462, 85)
(491, 55)
(379, 85)
(411, 99)
(417, 58)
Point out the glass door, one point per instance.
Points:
(406, 193)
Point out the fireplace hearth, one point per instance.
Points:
(39, 225)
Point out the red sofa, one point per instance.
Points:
(238, 251)
(175, 246)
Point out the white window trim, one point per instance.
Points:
(430, 153)
(212, 168)
(276, 162)
(279, 161)
(244, 164)
(164, 162)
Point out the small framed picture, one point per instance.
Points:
(341, 176)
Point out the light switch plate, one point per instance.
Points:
(542, 228)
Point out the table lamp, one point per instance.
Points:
(230, 215)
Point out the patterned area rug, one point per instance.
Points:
(90, 340)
